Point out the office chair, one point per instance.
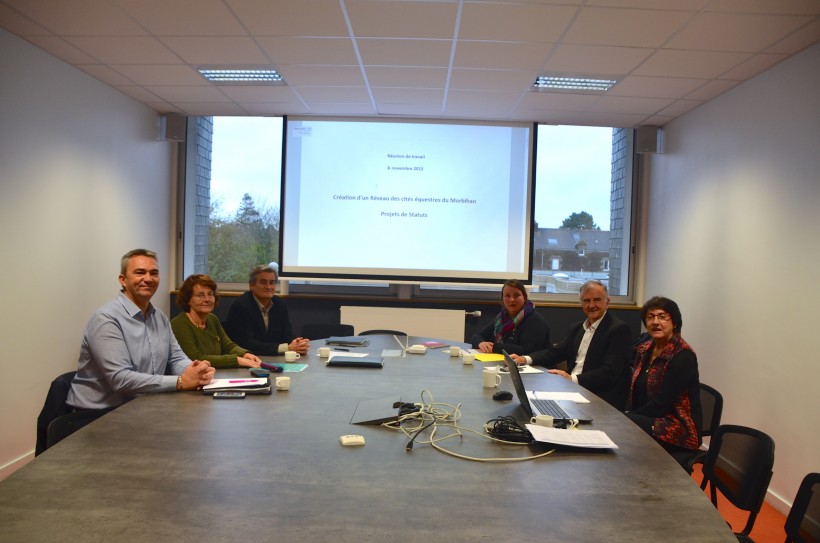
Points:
(739, 464)
(53, 407)
(803, 522)
(386, 332)
(56, 420)
(711, 403)
(322, 331)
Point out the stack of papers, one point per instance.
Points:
(246, 385)
(588, 439)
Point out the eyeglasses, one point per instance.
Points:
(662, 317)
(203, 295)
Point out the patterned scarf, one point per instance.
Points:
(505, 325)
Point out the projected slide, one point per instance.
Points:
(406, 199)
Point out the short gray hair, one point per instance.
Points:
(264, 268)
(593, 283)
(131, 254)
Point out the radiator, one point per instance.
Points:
(434, 323)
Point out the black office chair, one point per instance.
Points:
(56, 420)
(386, 332)
(739, 464)
(322, 331)
(53, 407)
(711, 403)
(803, 522)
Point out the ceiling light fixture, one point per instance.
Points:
(242, 76)
(551, 82)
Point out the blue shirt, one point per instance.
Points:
(125, 352)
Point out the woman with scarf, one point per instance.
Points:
(665, 396)
(517, 328)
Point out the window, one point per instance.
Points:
(582, 220)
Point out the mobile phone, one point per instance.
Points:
(274, 368)
(229, 395)
(260, 372)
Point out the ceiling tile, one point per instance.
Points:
(106, 75)
(691, 64)
(302, 18)
(17, 23)
(595, 60)
(351, 95)
(345, 76)
(125, 49)
(734, 32)
(79, 18)
(659, 87)
(562, 101)
(184, 17)
(712, 89)
(217, 50)
(501, 56)
(503, 80)
(319, 51)
(160, 75)
(197, 94)
(408, 96)
(411, 77)
(253, 94)
(791, 7)
(514, 22)
(402, 18)
(404, 52)
(62, 49)
(753, 66)
(625, 27)
(622, 104)
(210, 108)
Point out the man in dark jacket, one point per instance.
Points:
(596, 350)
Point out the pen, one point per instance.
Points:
(345, 350)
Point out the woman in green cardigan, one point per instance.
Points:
(198, 330)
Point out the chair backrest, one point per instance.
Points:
(803, 522)
(322, 331)
(739, 464)
(385, 332)
(53, 407)
(711, 404)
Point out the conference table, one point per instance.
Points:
(186, 467)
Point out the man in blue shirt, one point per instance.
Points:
(128, 345)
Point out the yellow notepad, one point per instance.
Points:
(489, 357)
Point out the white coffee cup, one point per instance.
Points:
(283, 383)
(468, 358)
(290, 356)
(324, 352)
(455, 350)
(542, 420)
(491, 377)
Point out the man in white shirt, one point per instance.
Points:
(596, 350)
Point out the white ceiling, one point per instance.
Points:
(472, 59)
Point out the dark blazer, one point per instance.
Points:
(531, 334)
(246, 327)
(606, 365)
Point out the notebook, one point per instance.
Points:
(559, 410)
(357, 361)
(248, 386)
(377, 411)
(347, 341)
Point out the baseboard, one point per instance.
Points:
(16, 464)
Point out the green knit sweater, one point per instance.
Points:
(210, 343)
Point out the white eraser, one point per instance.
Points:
(351, 440)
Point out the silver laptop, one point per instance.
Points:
(560, 410)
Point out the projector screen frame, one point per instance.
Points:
(524, 166)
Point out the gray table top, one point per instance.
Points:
(183, 466)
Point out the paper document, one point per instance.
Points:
(387, 353)
(590, 439)
(489, 357)
(239, 382)
(522, 369)
(576, 397)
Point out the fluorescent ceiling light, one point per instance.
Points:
(550, 82)
(242, 76)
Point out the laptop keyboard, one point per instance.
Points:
(549, 407)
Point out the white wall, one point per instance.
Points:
(83, 180)
(734, 238)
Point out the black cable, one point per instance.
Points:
(508, 429)
(409, 446)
